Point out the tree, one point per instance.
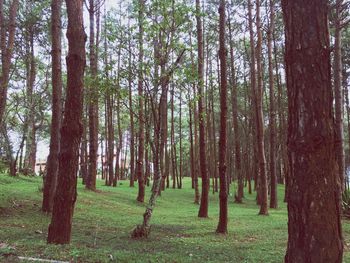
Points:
(141, 132)
(222, 226)
(263, 191)
(338, 90)
(7, 37)
(203, 208)
(61, 223)
(314, 227)
(50, 181)
(273, 175)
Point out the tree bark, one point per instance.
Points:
(141, 135)
(7, 36)
(314, 227)
(61, 223)
(50, 181)
(338, 92)
(222, 226)
(273, 175)
(203, 209)
(263, 189)
(93, 102)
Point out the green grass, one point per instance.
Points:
(103, 222)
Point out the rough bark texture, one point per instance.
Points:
(61, 223)
(203, 209)
(314, 227)
(50, 182)
(222, 226)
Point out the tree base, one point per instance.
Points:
(141, 231)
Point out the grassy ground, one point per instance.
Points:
(103, 222)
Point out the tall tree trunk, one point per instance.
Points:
(132, 129)
(7, 37)
(61, 223)
(203, 209)
(253, 97)
(273, 175)
(237, 139)
(141, 135)
(263, 188)
(93, 102)
(338, 92)
(314, 227)
(50, 181)
(222, 226)
(30, 150)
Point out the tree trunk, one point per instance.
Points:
(132, 129)
(93, 102)
(203, 209)
(141, 135)
(59, 231)
(7, 37)
(338, 92)
(222, 226)
(314, 227)
(52, 160)
(273, 175)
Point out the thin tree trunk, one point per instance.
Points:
(93, 102)
(141, 135)
(263, 189)
(203, 209)
(273, 175)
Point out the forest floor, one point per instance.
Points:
(103, 222)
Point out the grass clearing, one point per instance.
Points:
(104, 220)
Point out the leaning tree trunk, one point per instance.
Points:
(50, 181)
(61, 223)
(314, 227)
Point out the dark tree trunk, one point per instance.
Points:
(203, 209)
(314, 227)
(222, 226)
(273, 175)
(7, 37)
(61, 223)
(52, 160)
